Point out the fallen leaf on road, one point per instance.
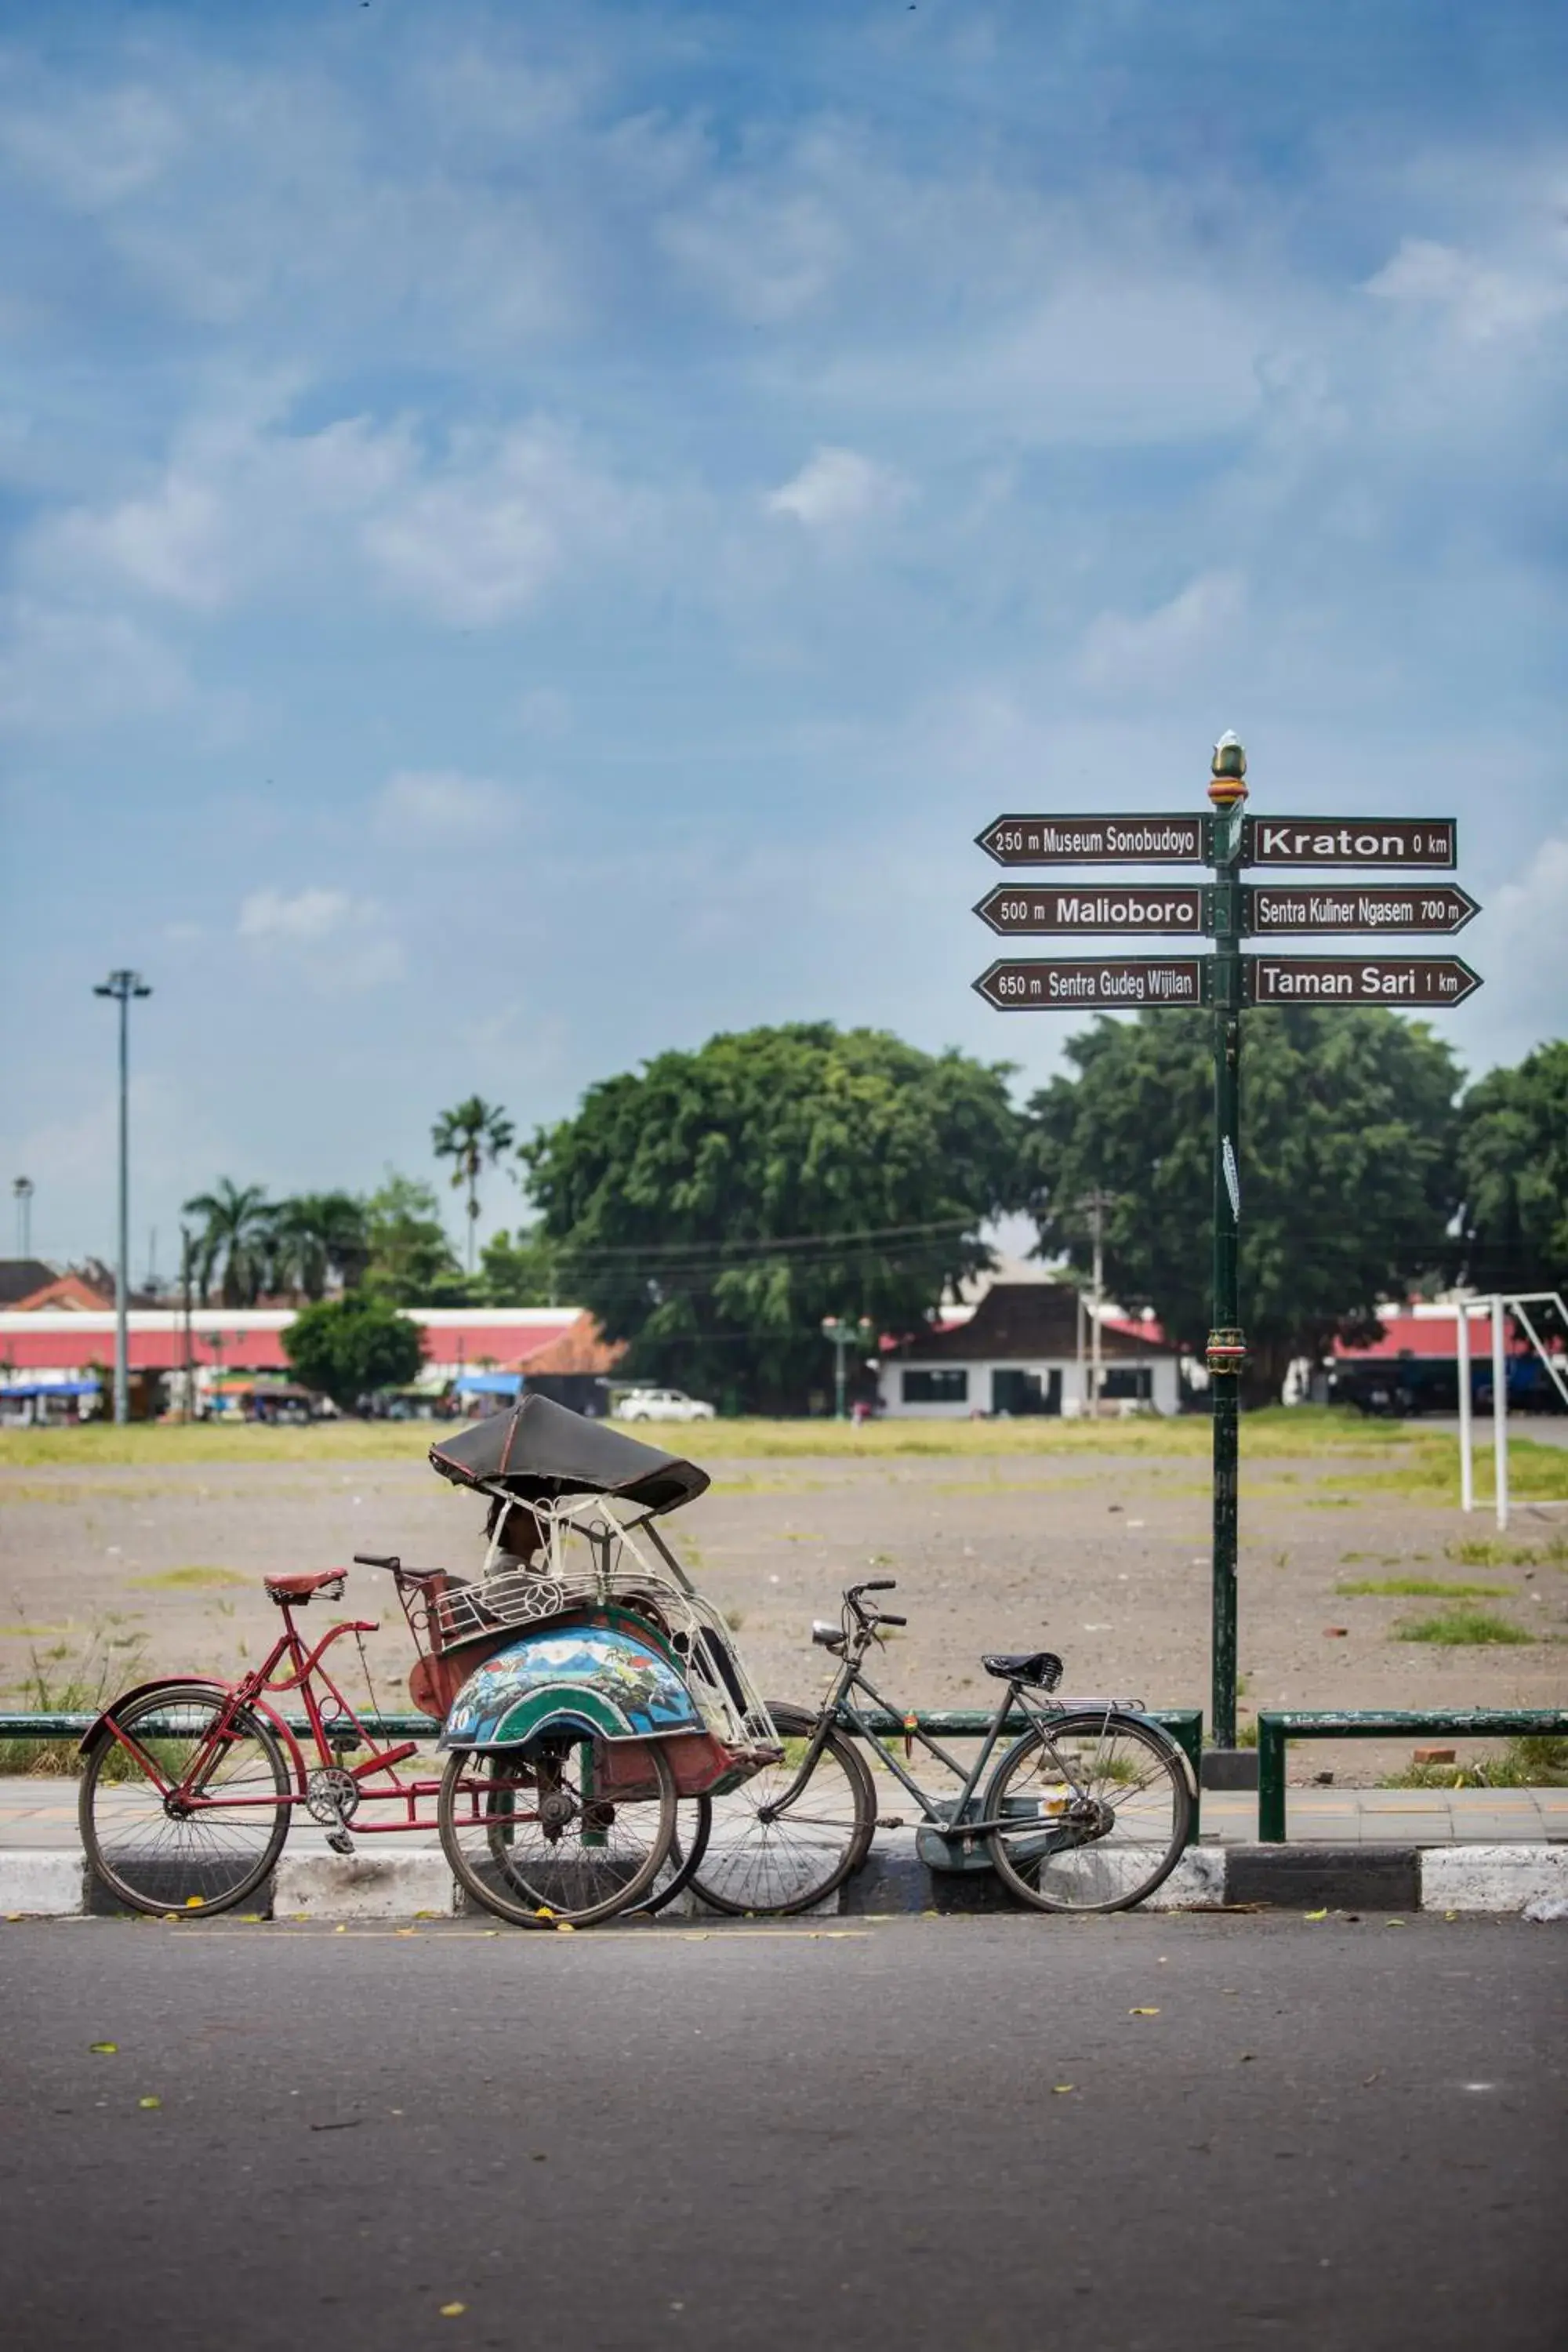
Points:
(349, 2123)
(1372, 2077)
(150, 2103)
(1246, 2057)
(453, 2310)
(564, 1927)
(104, 2049)
(193, 1902)
(1315, 1914)
(1057, 2088)
(1142, 2012)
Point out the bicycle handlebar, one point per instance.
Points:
(378, 1560)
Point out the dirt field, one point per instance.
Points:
(148, 1556)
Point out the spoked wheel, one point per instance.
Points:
(758, 1860)
(179, 1819)
(527, 1838)
(1103, 1809)
(694, 1827)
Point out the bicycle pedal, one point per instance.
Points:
(340, 1841)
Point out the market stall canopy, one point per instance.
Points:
(541, 1449)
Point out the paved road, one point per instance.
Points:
(1329, 2134)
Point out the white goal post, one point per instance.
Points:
(1497, 1306)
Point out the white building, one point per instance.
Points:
(1018, 1352)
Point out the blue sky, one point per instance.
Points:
(531, 535)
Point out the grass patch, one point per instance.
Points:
(1529, 1763)
(185, 1580)
(1490, 1551)
(1420, 1587)
(61, 1683)
(1462, 1629)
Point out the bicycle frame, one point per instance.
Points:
(837, 1712)
(250, 1694)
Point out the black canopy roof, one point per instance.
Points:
(541, 1449)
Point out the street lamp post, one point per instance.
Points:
(123, 986)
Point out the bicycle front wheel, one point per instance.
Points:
(1103, 1811)
(193, 1815)
(527, 1837)
(759, 1860)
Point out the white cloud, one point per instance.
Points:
(61, 669)
(1151, 650)
(333, 938)
(92, 149)
(440, 808)
(482, 536)
(470, 529)
(1481, 300)
(838, 488)
(1518, 944)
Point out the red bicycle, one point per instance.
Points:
(190, 1786)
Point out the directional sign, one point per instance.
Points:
(1358, 980)
(1349, 841)
(1089, 986)
(1271, 908)
(1096, 840)
(1017, 908)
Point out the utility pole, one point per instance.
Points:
(22, 1192)
(189, 1408)
(123, 986)
(1226, 1351)
(1094, 1205)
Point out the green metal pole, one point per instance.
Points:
(1227, 1348)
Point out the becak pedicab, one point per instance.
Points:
(593, 1701)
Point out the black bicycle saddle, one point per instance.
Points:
(1041, 1668)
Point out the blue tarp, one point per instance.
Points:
(51, 1389)
(488, 1384)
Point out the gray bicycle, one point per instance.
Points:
(1089, 1809)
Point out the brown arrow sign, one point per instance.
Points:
(1096, 840)
(1349, 841)
(1277, 907)
(1087, 985)
(1358, 980)
(1025, 908)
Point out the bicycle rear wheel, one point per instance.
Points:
(796, 1858)
(206, 1847)
(527, 1838)
(1103, 1809)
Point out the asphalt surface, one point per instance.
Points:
(812, 2135)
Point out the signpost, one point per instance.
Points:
(1032, 910)
(1084, 986)
(1229, 911)
(1348, 841)
(1160, 840)
(1358, 979)
(1270, 908)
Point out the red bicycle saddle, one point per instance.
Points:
(298, 1588)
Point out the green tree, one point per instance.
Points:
(471, 1135)
(235, 1230)
(314, 1239)
(410, 1260)
(516, 1270)
(1513, 1174)
(713, 1207)
(1346, 1168)
(347, 1347)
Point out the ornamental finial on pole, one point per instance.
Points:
(1228, 781)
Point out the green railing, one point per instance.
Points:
(1277, 1727)
(1184, 1725)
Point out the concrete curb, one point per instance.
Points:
(1500, 1880)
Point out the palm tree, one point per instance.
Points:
(236, 1229)
(475, 1132)
(314, 1238)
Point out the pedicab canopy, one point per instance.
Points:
(542, 1450)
